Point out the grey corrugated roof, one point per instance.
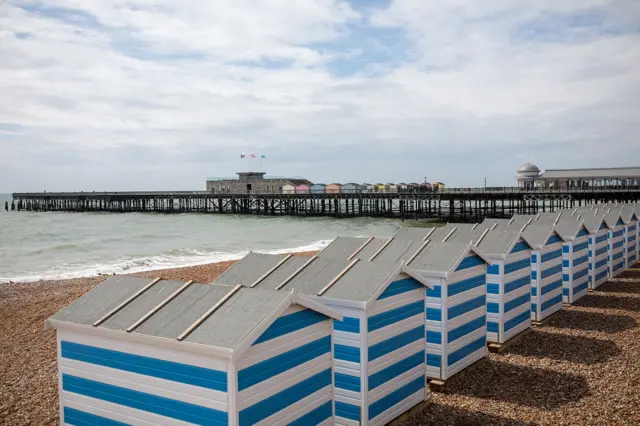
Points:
(411, 233)
(316, 275)
(598, 173)
(536, 233)
(252, 267)
(568, 228)
(342, 247)
(547, 217)
(592, 221)
(398, 250)
(500, 223)
(519, 220)
(498, 242)
(439, 256)
(283, 272)
(226, 328)
(627, 212)
(611, 218)
(361, 281)
(371, 248)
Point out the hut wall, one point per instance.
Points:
(616, 250)
(546, 279)
(456, 320)
(637, 242)
(395, 351)
(317, 189)
(288, 189)
(598, 258)
(333, 188)
(631, 242)
(509, 295)
(349, 356)
(286, 375)
(103, 380)
(303, 189)
(575, 268)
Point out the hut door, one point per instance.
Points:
(248, 187)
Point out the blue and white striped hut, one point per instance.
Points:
(598, 248)
(630, 220)
(546, 269)
(636, 208)
(508, 283)
(379, 347)
(575, 258)
(136, 351)
(616, 249)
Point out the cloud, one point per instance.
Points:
(335, 90)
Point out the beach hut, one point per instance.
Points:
(351, 188)
(630, 220)
(333, 188)
(288, 189)
(546, 269)
(575, 258)
(616, 248)
(303, 189)
(379, 349)
(598, 248)
(318, 188)
(508, 283)
(391, 187)
(636, 209)
(367, 188)
(158, 352)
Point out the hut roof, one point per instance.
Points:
(342, 247)
(213, 315)
(413, 233)
(612, 218)
(500, 242)
(593, 221)
(569, 227)
(442, 257)
(628, 213)
(537, 234)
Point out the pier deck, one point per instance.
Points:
(452, 204)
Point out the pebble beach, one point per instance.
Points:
(582, 368)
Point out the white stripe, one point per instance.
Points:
(464, 362)
(401, 407)
(396, 301)
(117, 412)
(346, 365)
(395, 384)
(355, 372)
(347, 339)
(525, 307)
(299, 409)
(395, 356)
(276, 384)
(350, 395)
(270, 349)
(466, 339)
(466, 317)
(341, 421)
(129, 381)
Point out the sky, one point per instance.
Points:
(160, 94)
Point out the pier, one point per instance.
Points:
(459, 204)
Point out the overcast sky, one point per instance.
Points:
(160, 94)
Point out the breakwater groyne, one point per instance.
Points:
(452, 204)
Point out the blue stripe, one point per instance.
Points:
(346, 381)
(534, 291)
(467, 328)
(492, 327)
(517, 265)
(399, 287)
(465, 307)
(632, 238)
(493, 308)
(470, 262)
(493, 288)
(271, 405)
(580, 274)
(551, 255)
(601, 238)
(581, 246)
(556, 300)
(601, 275)
(603, 226)
(580, 260)
(518, 301)
(383, 404)
(618, 255)
(618, 266)
(347, 353)
(534, 257)
(618, 233)
(466, 350)
(517, 320)
(566, 248)
(387, 346)
(289, 323)
(348, 324)
(553, 239)
(434, 314)
(601, 263)
(271, 367)
(314, 417)
(80, 418)
(493, 269)
(516, 284)
(551, 287)
(618, 244)
(565, 292)
(620, 223)
(393, 316)
(583, 232)
(551, 271)
(434, 337)
(466, 285)
(435, 292)
(565, 277)
(347, 411)
(433, 360)
(601, 250)
(167, 370)
(565, 263)
(580, 288)
(521, 246)
(143, 401)
(395, 370)
(534, 307)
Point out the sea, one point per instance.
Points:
(57, 245)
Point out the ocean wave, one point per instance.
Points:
(176, 258)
